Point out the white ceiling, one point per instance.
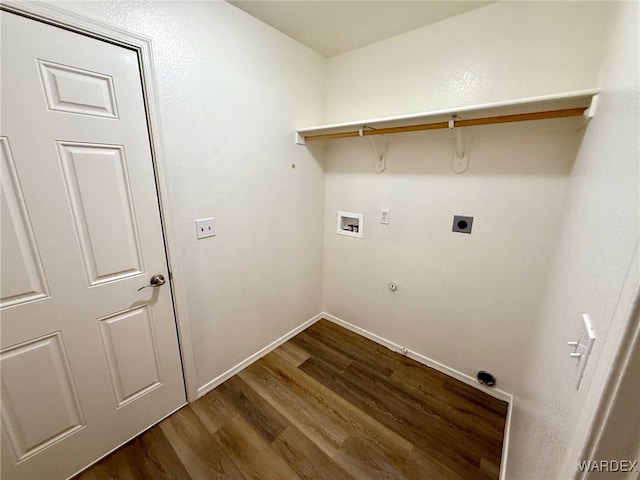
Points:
(333, 27)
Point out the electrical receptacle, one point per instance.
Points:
(205, 228)
(384, 216)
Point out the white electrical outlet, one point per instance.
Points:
(384, 216)
(205, 228)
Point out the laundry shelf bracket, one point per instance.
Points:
(379, 147)
(461, 154)
(590, 111)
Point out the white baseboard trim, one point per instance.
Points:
(207, 387)
(464, 378)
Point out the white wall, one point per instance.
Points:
(593, 270)
(499, 52)
(467, 301)
(232, 90)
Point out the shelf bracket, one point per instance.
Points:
(300, 139)
(379, 148)
(590, 111)
(461, 155)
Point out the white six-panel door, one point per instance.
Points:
(87, 360)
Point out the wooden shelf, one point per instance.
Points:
(571, 104)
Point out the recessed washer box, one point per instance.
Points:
(350, 224)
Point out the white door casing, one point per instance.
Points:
(87, 360)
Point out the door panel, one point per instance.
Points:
(38, 367)
(18, 245)
(88, 361)
(100, 196)
(134, 368)
(69, 89)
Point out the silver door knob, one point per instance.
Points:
(156, 280)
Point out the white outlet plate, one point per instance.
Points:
(384, 216)
(205, 227)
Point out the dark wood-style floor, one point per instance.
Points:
(328, 404)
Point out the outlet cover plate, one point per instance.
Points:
(462, 224)
(384, 216)
(205, 227)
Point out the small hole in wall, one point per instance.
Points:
(293, 165)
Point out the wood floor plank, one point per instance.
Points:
(410, 385)
(429, 464)
(471, 418)
(416, 379)
(315, 347)
(212, 411)
(479, 418)
(326, 435)
(489, 469)
(424, 435)
(201, 454)
(335, 408)
(429, 411)
(474, 397)
(120, 465)
(354, 349)
(147, 456)
(327, 404)
(421, 420)
(292, 353)
(363, 462)
(393, 448)
(251, 452)
(252, 407)
(306, 458)
(360, 348)
(157, 457)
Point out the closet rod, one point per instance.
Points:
(520, 117)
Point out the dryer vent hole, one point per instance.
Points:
(462, 224)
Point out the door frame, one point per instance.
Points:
(143, 47)
(622, 361)
(619, 341)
